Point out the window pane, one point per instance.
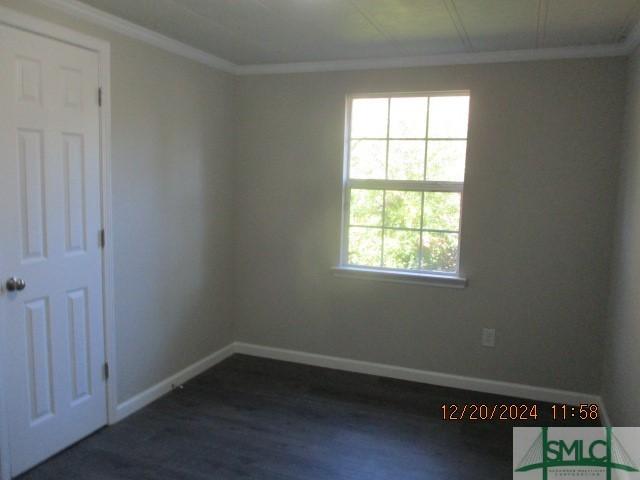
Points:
(365, 246)
(446, 160)
(365, 207)
(408, 117)
(406, 160)
(448, 117)
(402, 209)
(441, 211)
(401, 249)
(368, 158)
(440, 252)
(369, 117)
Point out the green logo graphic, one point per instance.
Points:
(607, 453)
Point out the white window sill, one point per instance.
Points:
(417, 278)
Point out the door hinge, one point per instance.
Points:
(106, 371)
(99, 97)
(102, 238)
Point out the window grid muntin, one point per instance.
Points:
(405, 229)
(432, 139)
(399, 185)
(404, 185)
(386, 160)
(386, 176)
(424, 178)
(382, 227)
(381, 230)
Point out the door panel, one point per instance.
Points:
(53, 330)
(79, 345)
(29, 80)
(73, 160)
(38, 333)
(32, 199)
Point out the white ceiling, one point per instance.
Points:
(252, 32)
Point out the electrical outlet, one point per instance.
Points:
(489, 337)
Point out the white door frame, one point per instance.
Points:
(103, 50)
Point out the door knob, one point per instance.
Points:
(15, 284)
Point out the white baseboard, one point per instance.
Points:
(151, 394)
(517, 390)
(508, 389)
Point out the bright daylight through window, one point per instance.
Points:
(404, 177)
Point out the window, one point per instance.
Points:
(404, 177)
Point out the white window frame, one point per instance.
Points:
(453, 279)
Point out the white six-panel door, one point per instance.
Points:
(50, 204)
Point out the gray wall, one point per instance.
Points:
(538, 216)
(537, 223)
(622, 366)
(172, 147)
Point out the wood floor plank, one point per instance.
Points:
(252, 418)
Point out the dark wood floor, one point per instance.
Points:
(251, 418)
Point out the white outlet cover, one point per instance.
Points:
(488, 337)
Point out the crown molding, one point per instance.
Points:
(593, 51)
(90, 14)
(93, 15)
